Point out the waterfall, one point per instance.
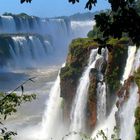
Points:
(129, 63)
(51, 114)
(109, 123)
(101, 90)
(79, 104)
(36, 41)
(101, 102)
(8, 24)
(30, 50)
(106, 126)
(78, 26)
(127, 119)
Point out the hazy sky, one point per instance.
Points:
(48, 8)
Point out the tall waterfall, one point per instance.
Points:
(127, 130)
(108, 125)
(79, 105)
(52, 112)
(129, 63)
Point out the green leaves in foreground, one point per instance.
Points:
(9, 102)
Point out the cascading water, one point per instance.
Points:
(30, 51)
(101, 90)
(108, 125)
(127, 130)
(127, 119)
(55, 36)
(78, 26)
(129, 63)
(79, 105)
(50, 118)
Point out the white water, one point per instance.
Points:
(52, 114)
(108, 125)
(79, 104)
(127, 119)
(49, 126)
(101, 102)
(127, 130)
(129, 63)
(136, 61)
(56, 34)
(78, 26)
(50, 117)
(30, 51)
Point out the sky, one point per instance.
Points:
(48, 8)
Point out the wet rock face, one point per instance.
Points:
(91, 111)
(96, 76)
(123, 92)
(68, 90)
(77, 59)
(109, 71)
(114, 71)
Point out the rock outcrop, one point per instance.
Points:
(112, 71)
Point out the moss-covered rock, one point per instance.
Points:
(116, 62)
(115, 68)
(91, 113)
(137, 112)
(79, 52)
(137, 78)
(137, 123)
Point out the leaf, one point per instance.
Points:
(28, 1)
(22, 1)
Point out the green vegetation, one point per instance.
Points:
(137, 112)
(95, 33)
(21, 15)
(137, 77)
(9, 102)
(6, 39)
(79, 51)
(137, 123)
(115, 67)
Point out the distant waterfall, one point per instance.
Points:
(14, 24)
(31, 51)
(78, 26)
(34, 40)
(101, 102)
(79, 105)
(108, 125)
